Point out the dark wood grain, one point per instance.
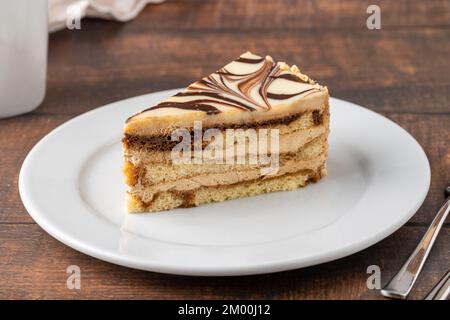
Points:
(375, 68)
(401, 71)
(297, 15)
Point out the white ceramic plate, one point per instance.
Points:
(71, 184)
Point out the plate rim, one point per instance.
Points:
(249, 269)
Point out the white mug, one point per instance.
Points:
(23, 55)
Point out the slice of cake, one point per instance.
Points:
(253, 126)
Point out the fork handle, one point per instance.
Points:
(442, 289)
(401, 284)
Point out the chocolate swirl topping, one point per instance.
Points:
(249, 83)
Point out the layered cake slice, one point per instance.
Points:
(253, 126)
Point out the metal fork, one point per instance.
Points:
(441, 290)
(401, 284)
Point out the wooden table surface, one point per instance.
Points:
(401, 71)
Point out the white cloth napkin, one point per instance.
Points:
(123, 10)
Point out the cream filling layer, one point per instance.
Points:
(146, 192)
(161, 173)
(288, 143)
